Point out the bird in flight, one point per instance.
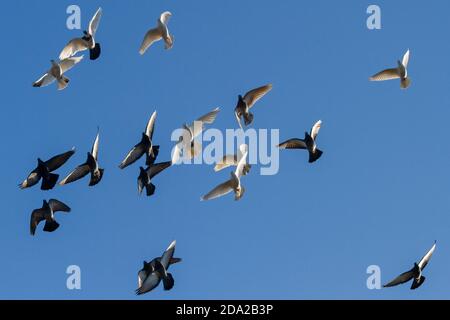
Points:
(232, 160)
(44, 170)
(308, 143)
(155, 271)
(187, 146)
(400, 72)
(47, 213)
(234, 184)
(87, 42)
(90, 166)
(56, 73)
(145, 146)
(160, 32)
(246, 102)
(415, 273)
(146, 176)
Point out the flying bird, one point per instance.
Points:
(56, 73)
(401, 72)
(233, 160)
(160, 32)
(145, 146)
(234, 184)
(146, 176)
(87, 42)
(47, 213)
(155, 271)
(308, 143)
(90, 166)
(186, 144)
(246, 102)
(415, 273)
(44, 170)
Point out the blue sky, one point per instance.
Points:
(379, 194)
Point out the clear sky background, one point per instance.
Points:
(379, 195)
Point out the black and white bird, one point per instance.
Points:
(415, 273)
(56, 73)
(187, 147)
(146, 176)
(246, 102)
(87, 42)
(232, 160)
(308, 143)
(44, 170)
(47, 213)
(145, 146)
(160, 32)
(400, 72)
(155, 271)
(232, 185)
(90, 166)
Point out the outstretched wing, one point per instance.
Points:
(151, 126)
(315, 129)
(388, 74)
(57, 205)
(94, 150)
(254, 95)
(165, 17)
(293, 144)
(58, 161)
(36, 216)
(158, 168)
(227, 161)
(197, 127)
(135, 154)
(95, 21)
(44, 81)
(404, 277)
(77, 174)
(72, 48)
(219, 191)
(426, 258)
(405, 60)
(150, 37)
(32, 179)
(69, 63)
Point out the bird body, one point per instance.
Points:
(56, 73)
(400, 72)
(246, 102)
(161, 31)
(146, 176)
(47, 213)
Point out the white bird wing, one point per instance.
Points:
(69, 63)
(150, 126)
(241, 165)
(72, 48)
(94, 150)
(405, 60)
(424, 261)
(293, 144)
(388, 74)
(315, 129)
(227, 161)
(254, 95)
(95, 21)
(197, 127)
(176, 152)
(151, 36)
(219, 191)
(165, 17)
(44, 81)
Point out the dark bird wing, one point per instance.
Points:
(32, 179)
(135, 154)
(293, 144)
(404, 277)
(58, 161)
(254, 95)
(78, 173)
(57, 205)
(36, 216)
(157, 168)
